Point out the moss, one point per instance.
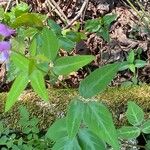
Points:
(47, 112)
(115, 98)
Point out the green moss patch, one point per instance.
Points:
(115, 98)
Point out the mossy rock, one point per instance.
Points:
(115, 98)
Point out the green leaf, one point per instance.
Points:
(66, 44)
(92, 25)
(21, 6)
(43, 66)
(18, 44)
(131, 57)
(90, 141)
(126, 84)
(131, 67)
(32, 66)
(20, 61)
(50, 45)
(124, 65)
(2, 128)
(74, 36)
(147, 146)
(128, 132)
(57, 130)
(3, 140)
(99, 120)
(68, 64)
(33, 47)
(12, 71)
(66, 144)
(74, 117)
(104, 33)
(135, 114)
(20, 141)
(20, 9)
(134, 80)
(140, 63)
(30, 32)
(2, 13)
(18, 86)
(108, 19)
(24, 114)
(9, 17)
(54, 26)
(98, 80)
(146, 127)
(38, 84)
(34, 122)
(27, 19)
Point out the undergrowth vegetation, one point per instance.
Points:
(86, 135)
(30, 46)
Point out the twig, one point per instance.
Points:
(85, 3)
(17, 2)
(69, 3)
(132, 6)
(58, 10)
(83, 15)
(8, 4)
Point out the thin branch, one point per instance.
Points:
(17, 2)
(57, 9)
(85, 3)
(8, 4)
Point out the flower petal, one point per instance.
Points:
(4, 46)
(6, 31)
(4, 56)
(4, 50)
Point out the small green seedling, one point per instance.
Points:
(101, 26)
(28, 137)
(132, 64)
(138, 124)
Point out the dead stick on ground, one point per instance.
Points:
(17, 2)
(58, 10)
(85, 3)
(8, 4)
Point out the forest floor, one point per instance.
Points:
(130, 31)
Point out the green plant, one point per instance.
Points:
(132, 64)
(43, 59)
(28, 137)
(91, 126)
(135, 116)
(91, 119)
(67, 37)
(88, 124)
(91, 85)
(101, 26)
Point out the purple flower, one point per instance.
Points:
(5, 47)
(6, 31)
